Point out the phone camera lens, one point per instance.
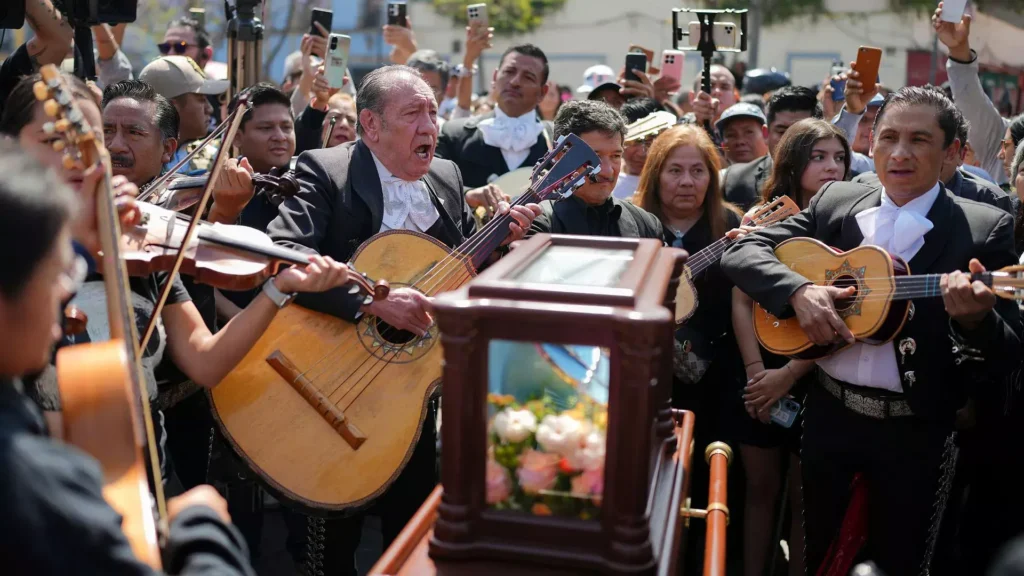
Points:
(334, 43)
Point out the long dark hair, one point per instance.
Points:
(19, 110)
(793, 154)
(648, 190)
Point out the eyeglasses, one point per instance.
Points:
(179, 48)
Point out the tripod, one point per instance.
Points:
(245, 46)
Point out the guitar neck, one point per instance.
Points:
(704, 258)
(927, 285)
(482, 244)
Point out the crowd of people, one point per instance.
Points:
(901, 451)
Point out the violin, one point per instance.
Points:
(224, 256)
(183, 192)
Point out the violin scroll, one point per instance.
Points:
(362, 283)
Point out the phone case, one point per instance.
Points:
(337, 60)
(672, 64)
(324, 17)
(869, 60)
(635, 61)
(838, 90)
(725, 35)
(396, 14)
(785, 412)
(477, 13)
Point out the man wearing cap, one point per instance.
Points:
(599, 84)
(744, 132)
(183, 82)
(742, 183)
(486, 147)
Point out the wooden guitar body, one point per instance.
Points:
(328, 412)
(686, 297)
(872, 315)
(99, 418)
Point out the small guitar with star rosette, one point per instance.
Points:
(883, 289)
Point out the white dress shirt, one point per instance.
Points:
(407, 205)
(900, 230)
(514, 136)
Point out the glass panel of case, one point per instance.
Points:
(547, 414)
(577, 266)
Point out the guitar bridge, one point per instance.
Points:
(322, 404)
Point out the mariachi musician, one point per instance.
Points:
(511, 137)
(887, 411)
(387, 180)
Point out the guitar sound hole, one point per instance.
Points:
(842, 282)
(392, 335)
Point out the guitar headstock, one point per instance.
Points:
(775, 211)
(650, 126)
(1007, 283)
(78, 141)
(563, 169)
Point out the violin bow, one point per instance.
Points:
(218, 166)
(163, 178)
(330, 132)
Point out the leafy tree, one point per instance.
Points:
(507, 17)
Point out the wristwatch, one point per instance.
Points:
(460, 71)
(280, 299)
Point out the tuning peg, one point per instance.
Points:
(49, 128)
(51, 108)
(68, 162)
(41, 91)
(62, 125)
(59, 145)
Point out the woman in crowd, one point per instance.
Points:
(810, 155)
(204, 357)
(680, 185)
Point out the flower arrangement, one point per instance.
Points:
(546, 461)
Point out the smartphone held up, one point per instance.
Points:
(336, 63)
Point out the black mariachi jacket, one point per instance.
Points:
(936, 358)
(461, 142)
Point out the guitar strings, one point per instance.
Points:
(439, 273)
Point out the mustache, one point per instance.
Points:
(122, 159)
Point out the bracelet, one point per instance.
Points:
(756, 362)
(460, 71)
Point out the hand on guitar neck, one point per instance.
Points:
(967, 301)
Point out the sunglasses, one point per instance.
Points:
(178, 48)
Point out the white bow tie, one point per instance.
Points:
(900, 231)
(406, 200)
(513, 134)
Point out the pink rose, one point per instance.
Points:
(537, 471)
(591, 483)
(499, 483)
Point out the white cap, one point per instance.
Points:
(595, 76)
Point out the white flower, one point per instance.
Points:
(514, 425)
(561, 434)
(590, 454)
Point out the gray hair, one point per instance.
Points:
(429, 61)
(376, 88)
(1018, 159)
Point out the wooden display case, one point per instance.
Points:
(562, 469)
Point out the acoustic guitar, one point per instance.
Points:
(104, 402)
(686, 295)
(650, 126)
(327, 412)
(881, 301)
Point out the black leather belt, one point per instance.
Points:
(879, 407)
